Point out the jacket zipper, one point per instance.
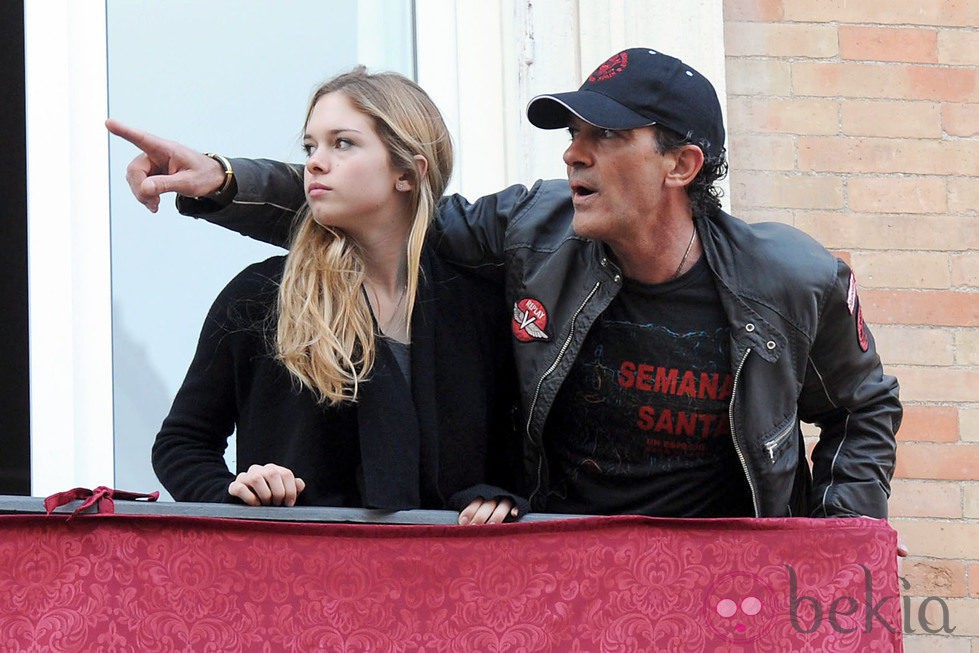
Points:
(774, 442)
(540, 382)
(734, 437)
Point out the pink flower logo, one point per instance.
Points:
(739, 607)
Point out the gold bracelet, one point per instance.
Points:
(229, 174)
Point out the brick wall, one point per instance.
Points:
(858, 122)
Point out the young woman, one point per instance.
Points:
(361, 369)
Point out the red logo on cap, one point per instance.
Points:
(529, 320)
(615, 65)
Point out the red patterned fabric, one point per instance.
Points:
(152, 583)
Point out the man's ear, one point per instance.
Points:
(688, 160)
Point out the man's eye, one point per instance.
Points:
(608, 133)
(572, 132)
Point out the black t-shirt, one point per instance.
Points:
(640, 425)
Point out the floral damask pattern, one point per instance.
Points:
(123, 583)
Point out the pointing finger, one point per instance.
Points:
(143, 140)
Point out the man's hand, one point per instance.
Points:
(487, 511)
(166, 166)
(267, 485)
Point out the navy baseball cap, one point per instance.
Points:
(637, 88)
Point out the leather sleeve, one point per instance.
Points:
(475, 235)
(856, 406)
(268, 199)
(270, 194)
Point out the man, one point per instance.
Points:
(666, 350)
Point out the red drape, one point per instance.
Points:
(159, 583)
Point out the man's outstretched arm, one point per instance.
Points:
(207, 186)
(264, 196)
(166, 166)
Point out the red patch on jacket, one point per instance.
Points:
(529, 320)
(863, 339)
(853, 305)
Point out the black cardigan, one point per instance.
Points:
(428, 447)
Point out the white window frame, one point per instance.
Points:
(69, 283)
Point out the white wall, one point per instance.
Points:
(483, 62)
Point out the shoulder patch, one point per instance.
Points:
(853, 305)
(862, 338)
(851, 294)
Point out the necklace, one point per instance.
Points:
(375, 307)
(686, 253)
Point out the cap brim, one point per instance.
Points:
(555, 111)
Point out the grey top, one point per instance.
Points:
(402, 354)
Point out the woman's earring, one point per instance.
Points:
(402, 185)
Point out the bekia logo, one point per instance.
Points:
(529, 320)
(739, 607)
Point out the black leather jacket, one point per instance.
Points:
(796, 332)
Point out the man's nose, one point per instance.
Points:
(577, 153)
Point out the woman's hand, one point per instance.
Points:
(488, 511)
(267, 485)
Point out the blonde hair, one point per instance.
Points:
(325, 332)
